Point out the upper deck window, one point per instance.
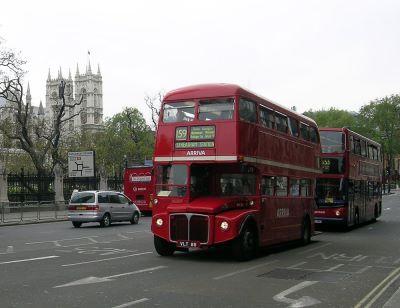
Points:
(247, 110)
(332, 142)
(304, 131)
(178, 112)
(216, 109)
(281, 122)
(266, 117)
(293, 127)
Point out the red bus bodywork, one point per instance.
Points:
(208, 151)
(349, 190)
(138, 186)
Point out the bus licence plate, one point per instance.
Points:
(318, 221)
(188, 244)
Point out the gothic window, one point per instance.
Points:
(83, 118)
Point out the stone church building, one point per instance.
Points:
(90, 86)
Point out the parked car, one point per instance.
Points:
(104, 207)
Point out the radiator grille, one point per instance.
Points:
(193, 227)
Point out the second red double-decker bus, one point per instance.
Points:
(232, 167)
(138, 186)
(349, 190)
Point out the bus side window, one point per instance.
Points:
(281, 186)
(293, 127)
(294, 187)
(304, 131)
(313, 134)
(305, 187)
(247, 111)
(267, 185)
(281, 122)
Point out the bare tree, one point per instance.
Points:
(154, 104)
(37, 137)
(54, 134)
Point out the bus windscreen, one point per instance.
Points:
(332, 141)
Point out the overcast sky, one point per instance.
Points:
(309, 54)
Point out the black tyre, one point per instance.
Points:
(244, 247)
(305, 232)
(105, 221)
(163, 247)
(76, 224)
(135, 218)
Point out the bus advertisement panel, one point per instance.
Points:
(138, 186)
(349, 190)
(232, 168)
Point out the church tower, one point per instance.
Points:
(52, 99)
(88, 85)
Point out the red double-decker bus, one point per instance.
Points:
(349, 190)
(232, 168)
(138, 186)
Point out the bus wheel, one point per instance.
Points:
(244, 247)
(306, 232)
(163, 247)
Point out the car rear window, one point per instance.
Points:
(83, 197)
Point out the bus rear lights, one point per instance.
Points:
(224, 225)
(159, 222)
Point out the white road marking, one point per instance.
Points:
(244, 270)
(132, 303)
(10, 249)
(92, 279)
(384, 284)
(315, 248)
(67, 239)
(28, 260)
(333, 268)
(302, 301)
(108, 259)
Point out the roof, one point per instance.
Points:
(224, 90)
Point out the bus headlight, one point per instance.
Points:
(337, 213)
(155, 201)
(224, 225)
(159, 222)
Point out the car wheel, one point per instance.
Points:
(105, 221)
(76, 224)
(305, 232)
(135, 218)
(163, 247)
(244, 247)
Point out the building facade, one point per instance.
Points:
(89, 87)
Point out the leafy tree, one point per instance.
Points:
(127, 138)
(333, 118)
(380, 119)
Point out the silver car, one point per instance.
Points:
(103, 207)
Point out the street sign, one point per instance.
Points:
(81, 164)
